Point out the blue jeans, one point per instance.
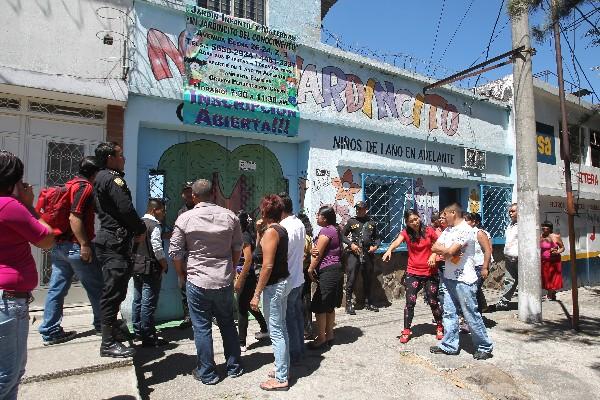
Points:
(145, 298)
(462, 296)
(204, 304)
(295, 323)
(275, 308)
(66, 263)
(14, 327)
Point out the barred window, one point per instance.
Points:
(156, 184)
(78, 112)
(387, 198)
(62, 162)
(250, 9)
(494, 210)
(576, 143)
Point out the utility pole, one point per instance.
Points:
(530, 280)
(566, 154)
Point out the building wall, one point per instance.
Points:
(357, 117)
(61, 37)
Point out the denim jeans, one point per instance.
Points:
(462, 296)
(511, 279)
(294, 319)
(14, 327)
(204, 304)
(275, 309)
(145, 298)
(66, 262)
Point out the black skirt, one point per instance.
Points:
(329, 290)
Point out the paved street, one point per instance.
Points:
(547, 361)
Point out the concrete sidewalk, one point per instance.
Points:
(74, 370)
(545, 361)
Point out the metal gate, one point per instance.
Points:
(387, 198)
(494, 210)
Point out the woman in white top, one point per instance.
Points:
(482, 246)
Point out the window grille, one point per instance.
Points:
(474, 159)
(576, 143)
(595, 148)
(13, 104)
(250, 9)
(494, 210)
(56, 109)
(62, 163)
(387, 198)
(156, 184)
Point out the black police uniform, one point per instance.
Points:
(119, 223)
(363, 233)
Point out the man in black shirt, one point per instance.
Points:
(120, 226)
(363, 242)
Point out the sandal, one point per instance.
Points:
(405, 337)
(439, 332)
(273, 385)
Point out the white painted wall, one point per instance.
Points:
(59, 37)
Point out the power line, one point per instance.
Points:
(452, 37)
(437, 31)
(487, 50)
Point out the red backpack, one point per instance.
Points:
(54, 207)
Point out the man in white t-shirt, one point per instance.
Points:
(511, 261)
(457, 246)
(295, 309)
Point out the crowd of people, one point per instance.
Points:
(221, 257)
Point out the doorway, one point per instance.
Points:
(448, 196)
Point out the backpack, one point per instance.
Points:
(54, 207)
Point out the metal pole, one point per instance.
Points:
(530, 289)
(566, 153)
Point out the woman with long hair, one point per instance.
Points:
(551, 246)
(326, 269)
(20, 227)
(421, 271)
(245, 283)
(271, 253)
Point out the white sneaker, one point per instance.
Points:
(243, 348)
(261, 335)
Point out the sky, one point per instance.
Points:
(442, 46)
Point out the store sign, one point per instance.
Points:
(239, 74)
(545, 144)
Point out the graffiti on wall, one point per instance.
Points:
(345, 187)
(331, 86)
(234, 187)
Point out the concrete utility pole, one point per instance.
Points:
(566, 153)
(530, 280)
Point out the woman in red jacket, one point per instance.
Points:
(421, 271)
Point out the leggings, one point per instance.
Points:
(414, 284)
(244, 299)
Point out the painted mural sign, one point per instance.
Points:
(346, 92)
(545, 144)
(239, 74)
(394, 150)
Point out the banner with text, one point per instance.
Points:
(239, 74)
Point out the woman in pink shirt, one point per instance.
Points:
(18, 274)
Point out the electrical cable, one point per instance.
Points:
(453, 35)
(437, 31)
(487, 50)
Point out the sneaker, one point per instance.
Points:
(186, 323)
(371, 307)
(482, 355)
(500, 306)
(405, 336)
(261, 335)
(243, 348)
(439, 350)
(60, 337)
(197, 377)
(236, 374)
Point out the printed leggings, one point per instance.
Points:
(414, 284)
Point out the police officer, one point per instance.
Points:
(120, 226)
(360, 234)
